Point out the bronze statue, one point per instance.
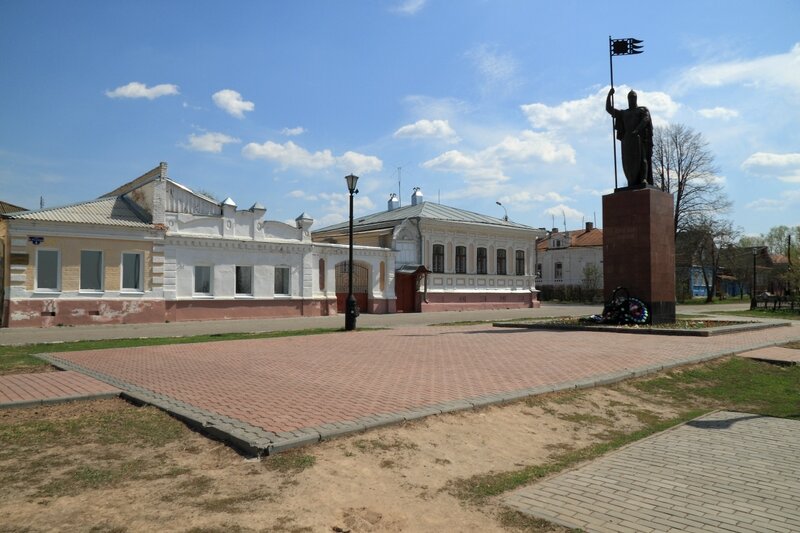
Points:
(635, 132)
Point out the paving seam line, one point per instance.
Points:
(258, 441)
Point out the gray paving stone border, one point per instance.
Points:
(705, 332)
(256, 441)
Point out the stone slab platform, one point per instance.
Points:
(774, 354)
(26, 390)
(267, 395)
(723, 472)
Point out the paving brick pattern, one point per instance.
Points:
(726, 472)
(298, 389)
(774, 353)
(22, 390)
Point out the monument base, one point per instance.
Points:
(639, 248)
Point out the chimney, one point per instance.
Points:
(394, 202)
(416, 196)
(554, 230)
(589, 226)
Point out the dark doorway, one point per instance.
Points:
(406, 292)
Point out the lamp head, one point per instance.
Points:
(352, 180)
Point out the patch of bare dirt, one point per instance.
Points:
(390, 479)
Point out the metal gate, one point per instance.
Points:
(360, 285)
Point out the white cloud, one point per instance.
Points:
(485, 170)
(560, 211)
(290, 155)
(359, 163)
(427, 106)
(139, 90)
(232, 103)
(297, 193)
(209, 142)
(590, 112)
(780, 70)
(293, 132)
(498, 70)
(435, 129)
(532, 145)
(525, 197)
(767, 204)
(722, 113)
(409, 7)
(785, 167)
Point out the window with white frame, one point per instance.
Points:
(244, 280)
(519, 269)
(202, 279)
(132, 272)
(461, 259)
(501, 262)
(480, 261)
(438, 258)
(282, 286)
(559, 272)
(91, 270)
(48, 270)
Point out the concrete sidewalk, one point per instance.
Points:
(724, 472)
(11, 336)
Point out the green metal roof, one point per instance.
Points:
(427, 210)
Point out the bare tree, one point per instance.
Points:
(684, 166)
(717, 234)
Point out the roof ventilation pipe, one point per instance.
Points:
(416, 196)
(394, 202)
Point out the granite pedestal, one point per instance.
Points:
(639, 248)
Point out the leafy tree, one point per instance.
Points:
(684, 166)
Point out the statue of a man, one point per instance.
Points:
(635, 132)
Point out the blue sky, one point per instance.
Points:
(474, 100)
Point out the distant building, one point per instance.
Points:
(448, 258)
(6, 208)
(570, 263)
(154, 250)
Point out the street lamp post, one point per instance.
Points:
(505, 211)
(352, 308)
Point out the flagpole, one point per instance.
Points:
(613, 124)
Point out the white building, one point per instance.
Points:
(449, 258)
(154, 250)
(567, 260)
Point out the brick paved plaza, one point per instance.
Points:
(292, 390)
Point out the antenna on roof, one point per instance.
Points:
(564, 214)
(595, 217)
(399, 190)
(41, 202)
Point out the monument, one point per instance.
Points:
(638, 236)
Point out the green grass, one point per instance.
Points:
(783, 314)
(478, 488)
(20, 358)
(145, 426)
(715, 301)
(289, 462)
(735, 383)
